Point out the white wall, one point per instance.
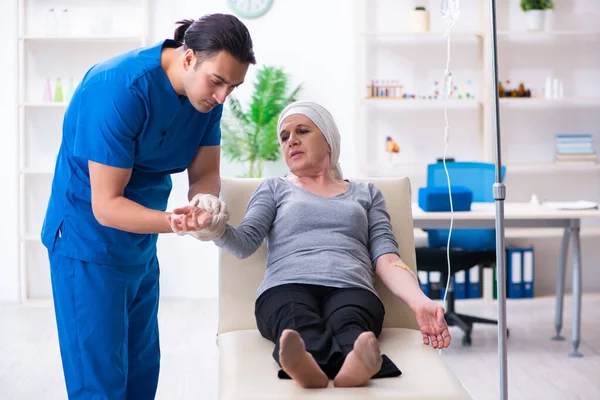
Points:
(315, 41)
(9, 278)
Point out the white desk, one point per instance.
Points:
(526, 215)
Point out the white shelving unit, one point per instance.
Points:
(541, 103)
(63, 44)
(414, 104)
(547, 35)
(388, 51)
(570, 51)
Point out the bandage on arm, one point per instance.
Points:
(400, 281)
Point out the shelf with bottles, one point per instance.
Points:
(55, 94)
(404, 144)
(551, 95)
(44, 64)
(411, 104)
(391, 91)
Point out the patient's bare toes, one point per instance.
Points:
(298, 363)
(361, 363)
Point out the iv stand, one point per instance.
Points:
(499, 196)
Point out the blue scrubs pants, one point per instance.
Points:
(107, 328)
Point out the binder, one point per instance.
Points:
(435, 287)
(460, 285)
(487, 283)
(424, 281)
(474, 291)
(514, 273)
(528, 267)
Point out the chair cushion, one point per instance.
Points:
(247, 371)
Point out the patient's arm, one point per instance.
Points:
(243, 240)
(384, 252)
(400, 281)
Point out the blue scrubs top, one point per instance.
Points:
(126, 114)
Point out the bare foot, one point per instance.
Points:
(298, 363)
(361, 363)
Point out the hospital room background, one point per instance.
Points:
(378, 66)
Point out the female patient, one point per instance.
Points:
(326, 239)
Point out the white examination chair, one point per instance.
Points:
(246, 366)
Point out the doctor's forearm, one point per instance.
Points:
(129, 216)
(210, 184)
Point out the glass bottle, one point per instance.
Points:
(70, 90)
(47, 96)
(58, 92)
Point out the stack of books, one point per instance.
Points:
(574, 150)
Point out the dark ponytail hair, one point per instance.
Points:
(213, 33)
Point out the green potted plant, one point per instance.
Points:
(250, 135)
(535, 12)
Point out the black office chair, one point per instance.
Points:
(435, 259)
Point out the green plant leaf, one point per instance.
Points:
(236, 109)
(251, 135)
(528, 5)
(231, 143)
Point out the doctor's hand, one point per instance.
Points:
(189, 219)
(210, 203)
(433, 326)
(213, 230)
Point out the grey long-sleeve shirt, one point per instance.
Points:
(313, 239)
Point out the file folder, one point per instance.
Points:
(514, 273)
(528, 274)
(460, 285)
(474, 291)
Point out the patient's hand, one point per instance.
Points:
(433, 326)
(201, 224)
(189, 219)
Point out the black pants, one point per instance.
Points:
(328, 320)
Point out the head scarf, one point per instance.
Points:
(326, 124)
